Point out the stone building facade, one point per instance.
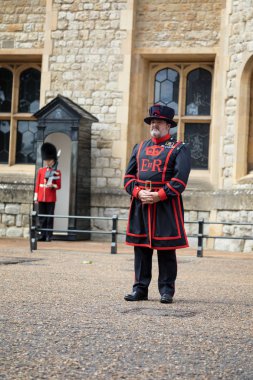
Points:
(107, 56)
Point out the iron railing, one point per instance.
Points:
(114, 232)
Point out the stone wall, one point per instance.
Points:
(239, 44)
(233, 207)
(22, 24)
(176, 23)
(85, 64)
(15, 206)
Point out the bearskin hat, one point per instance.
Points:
(48, 152)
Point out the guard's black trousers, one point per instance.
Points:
(48, 209)
(167, 265)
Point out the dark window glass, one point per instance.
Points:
(29, 92)
(198, 92)
(26, 142)
(5, 90)
(197, 135)
(167, 88)
(4, 140)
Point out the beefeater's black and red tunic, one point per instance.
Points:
(164, 164)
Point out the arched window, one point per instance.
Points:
(19, 99)
(187, 90)
(167, 88)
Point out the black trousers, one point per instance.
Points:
(167, 265)
(46, 208)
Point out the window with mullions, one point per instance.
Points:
(19, 99)
(187, 90)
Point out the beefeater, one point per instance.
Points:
(156, 176)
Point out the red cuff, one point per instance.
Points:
(136, 191)
(162, 195)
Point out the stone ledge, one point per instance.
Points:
(200, 201)
(16, 193)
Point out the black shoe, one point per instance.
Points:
(48, 238)
(135, 296)
(166, 298)
(42, 238)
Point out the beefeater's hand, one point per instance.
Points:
(148, 197)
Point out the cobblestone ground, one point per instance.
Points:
(63, 316)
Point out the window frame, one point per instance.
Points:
(14, 116)
(184, 68)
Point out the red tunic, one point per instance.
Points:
(43, 193)
(164, 166)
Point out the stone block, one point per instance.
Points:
(96, 172)
(26, 232)
(114, 182)
(19, 220)
(13, 209)
(102, 162)
(108, 172)
(203, 215)
(101, 182)
(243, 231)
(2, 208)
(210, 243)
(14, 28)
(111, 211)
(248, 246)
(115, 163)
(14, 232)
(8, 220)
(227, 229)
(25, 220)
(193, 216)
(193, 243)
(25, 208)
(102, 225)
(186, 216)
(2, 232)
(243, 216)
(230, 245)
(106, 152)
(101, 144)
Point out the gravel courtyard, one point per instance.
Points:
(63, 315)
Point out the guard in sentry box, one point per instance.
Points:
(47, 183)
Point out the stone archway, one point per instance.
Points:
(250, 139)
(244, 119)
